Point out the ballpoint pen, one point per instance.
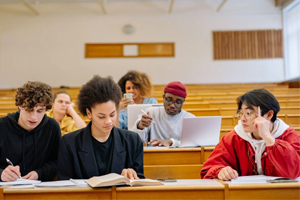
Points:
(147, 115)
(10, 163)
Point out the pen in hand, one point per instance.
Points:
(10, 163)
(258, 110)
(147, 115)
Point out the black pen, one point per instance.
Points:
(10, 163)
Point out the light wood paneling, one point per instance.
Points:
(247, 44)
(156, 49)
(115, 50)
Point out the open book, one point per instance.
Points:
(116, 179)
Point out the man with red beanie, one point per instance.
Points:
(167, 126)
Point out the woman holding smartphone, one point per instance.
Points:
(137, 84)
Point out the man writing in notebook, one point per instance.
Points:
(28, 138)
(166, 131)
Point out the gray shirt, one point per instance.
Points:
(165, 127)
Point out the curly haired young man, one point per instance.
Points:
(29, 138)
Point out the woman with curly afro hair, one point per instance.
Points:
(100, 148)
(140, 86)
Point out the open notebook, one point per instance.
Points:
(200, 131)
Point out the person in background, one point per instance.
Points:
(64, 113)
(140, 86)
(166, 131)
(28, 137)
(260, 143)
(100, 148)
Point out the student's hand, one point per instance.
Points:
(263, 128)
(227, 173)
(129, 173)
(160, 142)
(70, 108)
(10, 173)
(145, 121)
(124, 102)
(31, 175)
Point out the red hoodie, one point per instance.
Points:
(281, 159)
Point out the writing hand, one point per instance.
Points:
(10, 173)
(145, 121)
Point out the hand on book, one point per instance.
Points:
(129, 173)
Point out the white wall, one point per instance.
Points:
(50, 47)
(291, 23)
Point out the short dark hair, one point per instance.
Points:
(60, 92)
(262, 98)
(139, 79)
(33, 93)
(98, 90)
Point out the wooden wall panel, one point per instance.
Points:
(116, 50)
(103, 50)
(247, 44)
(156, 49)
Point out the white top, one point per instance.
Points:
(259, 146)
(165, 127)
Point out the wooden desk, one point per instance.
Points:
(182, 189)
(263, 191)
(58, 193)
(196, 189)
(175, 163)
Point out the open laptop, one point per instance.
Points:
(200, 131)
(134, 112)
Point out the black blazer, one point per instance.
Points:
(76, 158)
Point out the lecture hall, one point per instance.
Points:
(89, 88)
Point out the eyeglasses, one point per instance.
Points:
(177, 104)
(247, 115)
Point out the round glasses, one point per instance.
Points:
(177, 104)
(247, 115)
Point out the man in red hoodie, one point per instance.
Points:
(260, 143)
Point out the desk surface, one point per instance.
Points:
(182, 189)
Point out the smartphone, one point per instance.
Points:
(282, 180)
(128, 95)
(166, 180)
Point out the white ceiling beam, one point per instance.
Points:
(171, 6)
(29, 7)
(102, 6)
(221, 5)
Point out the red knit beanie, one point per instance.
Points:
(176, 88)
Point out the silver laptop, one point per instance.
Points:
(200, 131)
(134, 112)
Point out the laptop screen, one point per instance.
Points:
(200, 131)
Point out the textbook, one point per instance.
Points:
(116, 179)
